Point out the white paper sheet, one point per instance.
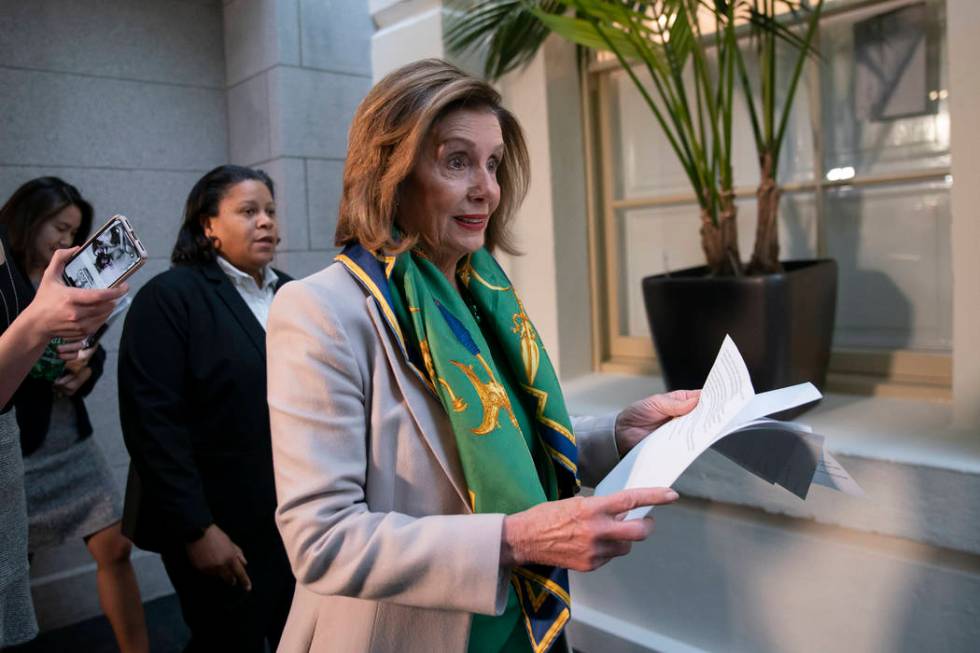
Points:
(830, 473)
(728, 403)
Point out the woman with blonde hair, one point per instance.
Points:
(425, 463)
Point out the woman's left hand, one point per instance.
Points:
(79, 360)
(68, 384)
(70, 350)
(646, 415)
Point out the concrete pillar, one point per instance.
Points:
(296, 71)
(407, 30)
(962, 22)
(553, 273)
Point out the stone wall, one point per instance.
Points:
(295, 73)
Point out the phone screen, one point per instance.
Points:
(104, 260)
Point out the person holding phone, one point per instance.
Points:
(69, 486)
(192, 386)
(57, 311)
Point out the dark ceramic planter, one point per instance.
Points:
(782, 323)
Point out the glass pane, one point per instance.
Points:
(796, 159)
(654, 240)
(884, 88)
(892, 244)
(646, 166)
(797, 226)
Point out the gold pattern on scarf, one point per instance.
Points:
(537, 598)
(530, 352)
(467, 272)
(389, 262)
(541, 397)
(492, 396)
(430, 369)
(459, 404)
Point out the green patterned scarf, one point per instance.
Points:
(449, 349)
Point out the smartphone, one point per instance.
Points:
(108, 258)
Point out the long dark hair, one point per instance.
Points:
(31, 206)
(193, 247)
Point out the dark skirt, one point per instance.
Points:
(70, 489)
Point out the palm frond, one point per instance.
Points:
(508, 30)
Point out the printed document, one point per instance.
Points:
(731, 417)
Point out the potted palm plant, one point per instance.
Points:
(694, 54)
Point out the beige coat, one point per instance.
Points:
(371, 496)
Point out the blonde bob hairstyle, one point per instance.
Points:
(387, 137)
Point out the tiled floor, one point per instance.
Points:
(168, 634)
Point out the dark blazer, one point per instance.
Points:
(33, 400)
(192, 400)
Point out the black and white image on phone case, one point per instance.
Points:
(108, 258)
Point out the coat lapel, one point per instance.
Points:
(239, 309)
(422, 405)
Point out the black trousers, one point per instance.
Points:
(222, 617)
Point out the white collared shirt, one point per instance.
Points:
(258, 299)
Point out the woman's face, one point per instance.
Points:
(453, 189)
(246, 226)
(57, 232)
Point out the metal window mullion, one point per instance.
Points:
(910, 177)
(595, 209)
(609, 232)
(815, 85)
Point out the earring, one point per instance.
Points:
(215, 243)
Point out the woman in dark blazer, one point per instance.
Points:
(192, 386)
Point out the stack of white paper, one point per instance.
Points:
(731, 417)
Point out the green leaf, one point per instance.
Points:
(508, 30)
(583, 32)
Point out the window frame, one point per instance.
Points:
(864, 371)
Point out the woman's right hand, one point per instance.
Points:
(581, 533)
(214, 553)
(71, 313)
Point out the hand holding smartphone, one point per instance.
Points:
(108, 258)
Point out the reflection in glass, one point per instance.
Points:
(647, 167)
(892, 247)
(884, 89)
(665, 238)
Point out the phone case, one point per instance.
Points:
(130, 233)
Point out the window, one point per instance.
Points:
(865, 176)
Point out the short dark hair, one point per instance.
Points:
(193, 247)
(33, 204)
